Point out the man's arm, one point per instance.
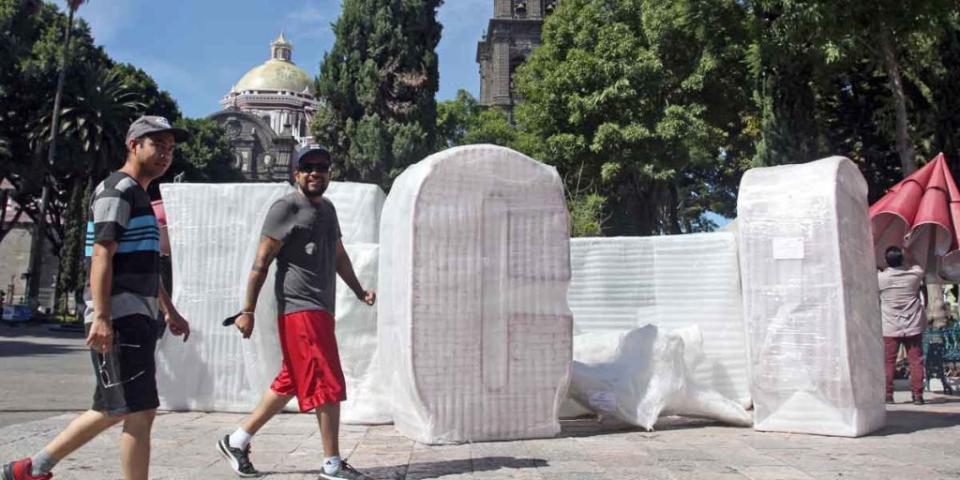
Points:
(267, 251)
(345, 270)
(177, 324)
(100, 337)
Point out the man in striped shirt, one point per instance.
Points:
(122, 301)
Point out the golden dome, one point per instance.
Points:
(276, 75)
(279, 74)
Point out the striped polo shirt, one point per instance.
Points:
(121, 212)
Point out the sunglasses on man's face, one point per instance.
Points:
(313, 167)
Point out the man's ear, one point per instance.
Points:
(132, 143)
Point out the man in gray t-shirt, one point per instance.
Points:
(302, 233)
(306, 265)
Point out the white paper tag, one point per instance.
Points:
(788, 248)
(604, 401)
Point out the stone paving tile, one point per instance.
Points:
(773, 472)
(918, 445)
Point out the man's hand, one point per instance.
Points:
(245, 324)
(368, 296)
(178, 325)
(100, 338)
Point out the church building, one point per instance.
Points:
(268, 113)
(512, 35)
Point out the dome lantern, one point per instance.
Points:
(281, 49)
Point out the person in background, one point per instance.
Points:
(904, 319)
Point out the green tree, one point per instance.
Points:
(462, 121)
(644, 103)
(31, 42)
(94, 117)
(378, 85)
(205, 157)
(156, 101)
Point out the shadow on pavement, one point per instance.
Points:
(919, 418)
(425, 470)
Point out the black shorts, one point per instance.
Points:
(127, 375)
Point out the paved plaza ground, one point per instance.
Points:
(919, 443)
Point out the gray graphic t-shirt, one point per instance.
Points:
(307, 262)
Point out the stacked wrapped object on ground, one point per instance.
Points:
(810, 299)
(642, 373)
(474, 328)
(214, 231)
(673, 282)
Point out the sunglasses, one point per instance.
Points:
(313, 167)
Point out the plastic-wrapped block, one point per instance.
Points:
(642, 373)
(810, 299)
(214, 231)
(474, 328)
(674, 282)
(358, 209)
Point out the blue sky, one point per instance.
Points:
(197, 49)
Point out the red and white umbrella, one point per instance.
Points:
(921, 214)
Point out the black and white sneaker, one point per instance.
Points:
(346, 472)
(239, 460)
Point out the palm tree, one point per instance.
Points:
(36, 249)
(95, 118)
(93, 127)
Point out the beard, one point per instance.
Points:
(313, 192)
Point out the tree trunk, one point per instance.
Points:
(904, 146)
(936, 309)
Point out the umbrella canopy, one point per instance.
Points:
(921, 214)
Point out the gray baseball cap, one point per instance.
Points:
(309, 149)
(148, 124)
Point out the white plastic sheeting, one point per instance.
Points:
(214, 232)
(358, 209)
(674, 282)
(810, 299)
(474, 327)
(638, 375)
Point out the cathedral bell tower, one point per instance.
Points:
(512, 35)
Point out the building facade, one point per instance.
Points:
(512, 35)
(268, 113)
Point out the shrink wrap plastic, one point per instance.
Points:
(638, 375)
(474, 326)
(358, 209)
(810, 299)
(673, 282)
(214, 232)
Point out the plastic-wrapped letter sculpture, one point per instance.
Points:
(475, 332)
(214, 232)
(810, 299)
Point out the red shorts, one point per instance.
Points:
(311, 363)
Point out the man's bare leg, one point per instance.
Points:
(270, 404)
(135, 444)
(328, 416)
(80, 431)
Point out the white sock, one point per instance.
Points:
(331, 464)
(240, 439)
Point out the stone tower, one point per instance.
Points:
(513, 33)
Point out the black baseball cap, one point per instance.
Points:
(310, 149)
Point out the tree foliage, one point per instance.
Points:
(378, 85)
(205, 157)
(645, 103)
(100, 99)
(868, 80)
